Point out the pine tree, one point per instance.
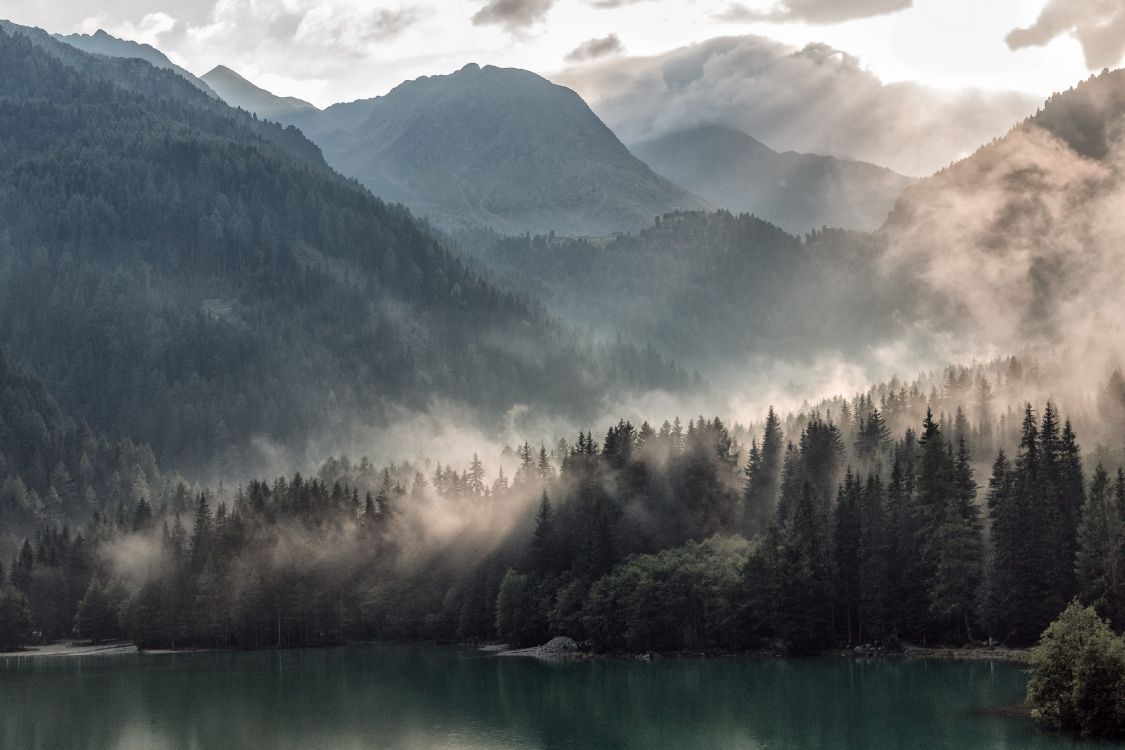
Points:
(542, 540)
(846, 546)
(874, 557)
(1006, 546)
(142, 516)
(792, 482)
(959, 551)
(201, 535)
(1070, 495)
(476, 477)
(906, 582)
(1099, 562)
(543, 469)
(763, 474)
(804, 593)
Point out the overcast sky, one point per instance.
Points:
(338, 50)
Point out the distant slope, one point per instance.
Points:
(101, 43)
(494, 147)
(711, 289)
(238, 92)
(798, 192)
(178, 277)
(1021, 242)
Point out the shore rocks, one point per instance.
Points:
(559, 646)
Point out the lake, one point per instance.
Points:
(434, 697)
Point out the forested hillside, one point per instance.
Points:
(932, 512)
(712, 289)
(184, 275)
(57, 472)
(101, 43)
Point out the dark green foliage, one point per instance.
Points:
(15, 618)
(97, 618)
(805, 578)
(763, 477)
(847, 552)
(682, 598)
(958, 552)
(519, 620)
(1034, 530)
(1078, 675)
(1100, 560)
(874, 566)
(55, 470)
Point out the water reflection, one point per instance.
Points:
(420, 697)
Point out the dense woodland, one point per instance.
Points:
(699, 286)
(888, 518)
(159, 252)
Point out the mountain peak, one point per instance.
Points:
(236, 91)
(497, 147)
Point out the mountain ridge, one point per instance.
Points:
(798, 192)
(498, 147)
(237, 91)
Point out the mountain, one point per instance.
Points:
(1020, 243)
(139, 77)
(184, 275)
(714, 290)
(238, 92)
(101, 43)
(798, 192)
(493, 147)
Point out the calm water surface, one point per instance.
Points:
(425, 697)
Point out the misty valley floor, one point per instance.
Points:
(442, 697)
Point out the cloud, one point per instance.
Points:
(513, 15)
(815, 11)
(351, 29)
(595, 48)
(1020, 245)
(1098, 25)
(815, 99)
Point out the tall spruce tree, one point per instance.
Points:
(874, 559)
(763, 477)
(804, 592)
(959, 553)
(846, 547)
(1099, 563)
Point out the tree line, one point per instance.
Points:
(652, 538)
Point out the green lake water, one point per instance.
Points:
(429, 697)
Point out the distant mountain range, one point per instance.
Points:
(185, 275)
(798, 192)
(101, 43)
(509, 150)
